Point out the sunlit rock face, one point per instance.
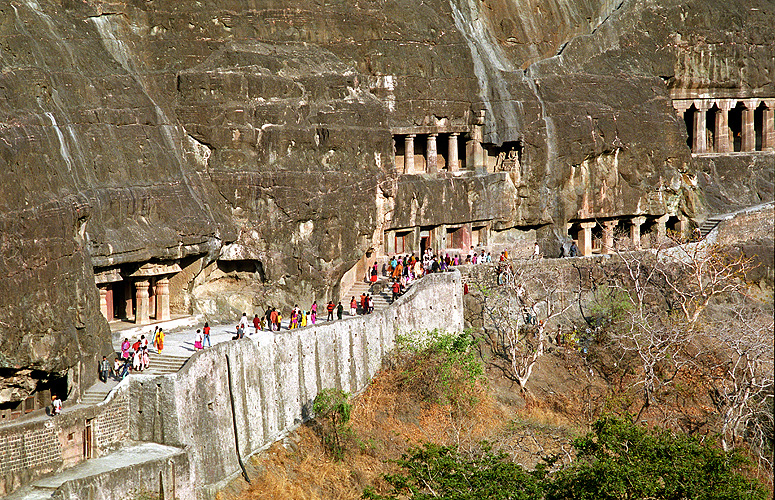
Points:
(158, 131)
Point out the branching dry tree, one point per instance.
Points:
(695, 273)
(742, 379)
(520, 310)
(674, 321)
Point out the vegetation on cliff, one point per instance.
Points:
(656, 384)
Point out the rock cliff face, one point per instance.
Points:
(260, 131)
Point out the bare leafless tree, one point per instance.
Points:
(520, 310)
(741, 379)
(668, 309)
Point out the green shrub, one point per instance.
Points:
(442, 367)
(621, 460)
(333, 407)
(433, 471)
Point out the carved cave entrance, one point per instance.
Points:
(426, 233)
(39, 399)
(736, 126)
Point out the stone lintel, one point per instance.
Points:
(108, 276)
(149, 269)
(457, 129)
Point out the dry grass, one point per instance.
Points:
(387, 421)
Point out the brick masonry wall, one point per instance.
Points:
(29, 450)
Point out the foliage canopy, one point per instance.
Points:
(616, 460)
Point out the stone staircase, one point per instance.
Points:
(160, 365)
(710, 224)
(382, 298)
(98, 392)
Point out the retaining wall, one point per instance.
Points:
(235, 399)
(43, 445)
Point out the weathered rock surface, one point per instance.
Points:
(161, 130)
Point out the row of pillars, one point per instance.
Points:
(432, 152)
(723, 141)
(431, 160)
(607, 246)
(143, 302)
(476, 156)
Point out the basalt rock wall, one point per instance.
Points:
(138, 131)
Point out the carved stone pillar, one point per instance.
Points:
(432, 160)
(608, 236)
(142, 314)
(585, 238)
(721, 132)
(152, 297)
(163, 299)
(637, 222)
(104, 302)
(409, 153)
(453, 164)
(768, 127)
(680, 227)
(661, 229)
(478, 160)
(748, 136)
(700, 135)
(680, 108)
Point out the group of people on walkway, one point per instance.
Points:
(133, 356)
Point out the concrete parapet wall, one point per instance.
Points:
(754, 224)
(238, 397)
(153, 472)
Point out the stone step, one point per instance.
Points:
(381, 299)
(709, 225)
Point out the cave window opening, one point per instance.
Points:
(689, 122)
(758, 126)
(648, 231)
(399, 153)
(426, 233)
(736, 126)
(458, 238)
(622, 231)
(573, 231)
(401, 245)
(421, 153)
(479, 236)
(11, 410)
(442, 153)
(462, 140)
(710, 127)
(673, 224)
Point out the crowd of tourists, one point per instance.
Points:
(133, 356)
(400, 270)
